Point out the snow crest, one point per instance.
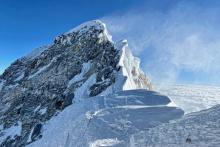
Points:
(135, 77)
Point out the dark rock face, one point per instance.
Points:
(36, 132)
(33, 84)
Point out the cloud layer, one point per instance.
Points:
(179, 44)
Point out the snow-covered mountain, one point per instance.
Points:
(85, 90)
(81, 63)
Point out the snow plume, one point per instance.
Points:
(183, 39)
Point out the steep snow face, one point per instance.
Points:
(192, 98)
(81, 63)
(135, 77)
(107, 120)
(200, 129)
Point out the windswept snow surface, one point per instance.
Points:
(192, 98)
(107, 120)
(202, 128)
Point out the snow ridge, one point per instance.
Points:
(107, 120)
(136, 79)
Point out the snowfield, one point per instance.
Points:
(192, 98)
(197, 129)
(107, 120)
(202, 128)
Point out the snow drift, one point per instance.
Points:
(107, 120)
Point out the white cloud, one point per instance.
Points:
(185, 37)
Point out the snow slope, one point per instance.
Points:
(107, 120)
(192, 98)
(202, 128)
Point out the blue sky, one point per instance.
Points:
(29, 24)
(178, 41)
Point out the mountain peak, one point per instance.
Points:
(94, 28)
(80, 64)
(98, 24)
